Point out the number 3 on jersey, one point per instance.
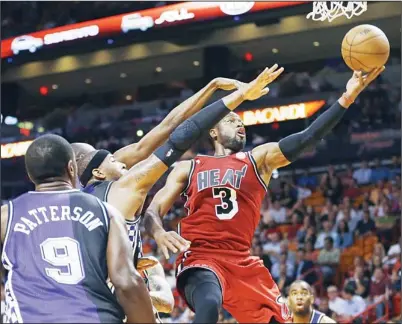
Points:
(228, 207)
(64, 253)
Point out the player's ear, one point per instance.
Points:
(213, 134)
(72, 171)
(98, 174)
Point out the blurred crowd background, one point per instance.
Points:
(332, 218)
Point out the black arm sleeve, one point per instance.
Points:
(189, 131)
(294, 145)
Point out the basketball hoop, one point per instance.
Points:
(322, 11)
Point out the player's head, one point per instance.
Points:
(301, 298)
(96, 164)
(229, 132)
(50, 158)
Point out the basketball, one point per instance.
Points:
(364, 48)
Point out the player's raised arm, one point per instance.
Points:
(272, 156)
(134, 153)
(130, 190)
(130, 288)
(160, 205)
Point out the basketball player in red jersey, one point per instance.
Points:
(224, 194)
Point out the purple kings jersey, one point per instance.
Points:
(55, 254)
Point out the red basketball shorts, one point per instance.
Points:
(249, 293)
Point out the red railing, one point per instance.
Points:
(369, 316)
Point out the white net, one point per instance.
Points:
(331, 10)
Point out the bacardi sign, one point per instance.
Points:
(280, 113)
(11, 150)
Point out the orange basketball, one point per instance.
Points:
(364, 48)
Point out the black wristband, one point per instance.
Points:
(294, 145)
(188, 132)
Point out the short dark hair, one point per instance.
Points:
(329, 239)
(47, 157)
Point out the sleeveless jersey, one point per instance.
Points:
(224, 196)
(55, 254)
(316, 316)
(100, 190)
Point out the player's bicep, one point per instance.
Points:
(119, 261)
(270, 156)
(4, 220)
(175, 184)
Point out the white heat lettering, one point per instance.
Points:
(213, 178)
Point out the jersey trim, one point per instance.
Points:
(13, 312)
(53, 192)
(133, 222)
(5, 260)
(105, 213)
(107, 191)
(190, 175)
(316, 316)
(184, 192)
(256, 171)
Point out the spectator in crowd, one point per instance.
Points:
(352, 191)
(363, 174)
(306, 180)
(324, 307)
(365, 226)
(276, 214)
(347, 177)
(258, 252)
(354, 304)
(382, 208)
(327, 231)
(349, 215)
(379, 172)
(328, 259)
(273, 247)
(360, 282)
(393, 254)
(379, 191)
(283, 261)
(333, 190)
(302, 232)
(378, 290)
(311, 254)
(335, 303)
(396, 277)
(304, 268)
(345, 236)
(284, 280)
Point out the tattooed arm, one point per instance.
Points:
(159, 290)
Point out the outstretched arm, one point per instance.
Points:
(160, 205)
(129, 192)
(134, 153)
(272, 156)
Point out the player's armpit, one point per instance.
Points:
(129, 285)
(164, 198)
(129, 192)
(4, 220)
(269, 157)
(327, 320)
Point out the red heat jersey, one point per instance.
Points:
(224, 196)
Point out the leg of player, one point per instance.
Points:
(203, 293)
